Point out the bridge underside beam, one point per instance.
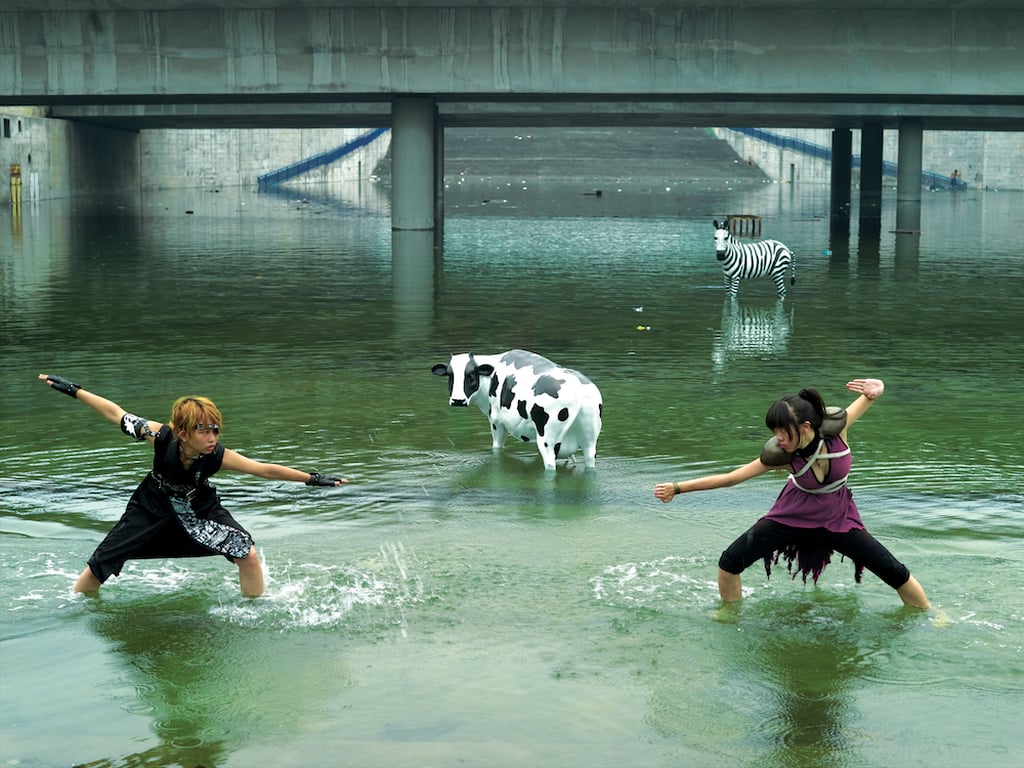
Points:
(776, 63)
(569, 110)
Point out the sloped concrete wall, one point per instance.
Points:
(236, 157)
(986, 160)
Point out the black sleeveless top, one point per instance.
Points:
(172, 477)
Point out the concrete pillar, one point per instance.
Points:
(871, 171)
(413, 163)
(439, 187)
(839, 208)
(908, 176)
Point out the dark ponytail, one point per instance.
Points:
(791, 411)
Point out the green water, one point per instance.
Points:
(453, 607)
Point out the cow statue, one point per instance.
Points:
(531, 398)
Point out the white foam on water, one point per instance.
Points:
(659, 584)
(313, 595)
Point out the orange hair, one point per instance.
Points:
(189, 411)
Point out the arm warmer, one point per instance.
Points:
(136, 427)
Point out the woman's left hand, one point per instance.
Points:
(315, 478)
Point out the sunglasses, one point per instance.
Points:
(215, 428)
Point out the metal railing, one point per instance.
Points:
(928, 178)
(275, 177)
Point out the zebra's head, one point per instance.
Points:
(722, 238)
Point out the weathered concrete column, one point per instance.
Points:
(871, 171)
(413, 163)
(908, 176)
(841, 172)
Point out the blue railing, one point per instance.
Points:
(928, 178)
(275, 177)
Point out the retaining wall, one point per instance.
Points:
(986, 160)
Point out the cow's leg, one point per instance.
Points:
(588, 428)
(547, 451)
(549, 442)
(497, 433)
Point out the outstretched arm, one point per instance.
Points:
(239, 463)
(108, 409)
(667, 491)
(869, 391)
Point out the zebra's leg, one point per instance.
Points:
(780, 283)
(732, 286)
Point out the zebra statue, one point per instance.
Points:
(747, 260)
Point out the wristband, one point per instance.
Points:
(675, 488)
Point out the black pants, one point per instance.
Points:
(767, 537)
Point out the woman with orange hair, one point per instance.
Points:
(175, 512)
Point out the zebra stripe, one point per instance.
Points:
(749, 260)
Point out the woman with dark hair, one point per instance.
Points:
(175, 512)
(814, 514)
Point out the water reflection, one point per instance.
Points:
(804, 661)
(758, 332)
(414, 257)
(204, 683)
(869, 250)
(908, 253)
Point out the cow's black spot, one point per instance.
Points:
(540, 419)
(558, 449)
(563, 415)
(547, 385)
(507, 395)
(521, 408)
(493, 390)
(525, 438)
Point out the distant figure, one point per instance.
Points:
(954, 179)
(763, 258)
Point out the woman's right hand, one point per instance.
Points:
(665, 492)
(870, 388)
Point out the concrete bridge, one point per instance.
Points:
(419, 66)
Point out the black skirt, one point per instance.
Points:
(156, 524)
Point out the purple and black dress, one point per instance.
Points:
(810, 520)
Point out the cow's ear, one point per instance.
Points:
(440, 370)
(485, 369)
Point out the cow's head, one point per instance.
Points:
(464, 375)
(721, 239)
